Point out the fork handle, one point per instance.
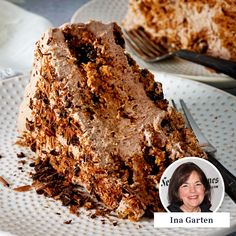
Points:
(220, 65)
(229, 178)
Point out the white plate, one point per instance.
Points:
(20, 30)
(115, 10)
(30, 214)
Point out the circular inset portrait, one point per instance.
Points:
(191, 184)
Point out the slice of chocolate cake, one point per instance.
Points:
(201, 26)
(95, 119)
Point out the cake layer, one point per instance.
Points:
(100, 120)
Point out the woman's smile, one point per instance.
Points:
(192, 193)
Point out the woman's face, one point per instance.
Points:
(192, 192)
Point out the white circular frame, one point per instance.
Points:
(207, 168)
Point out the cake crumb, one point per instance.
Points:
(32, 164)
(4, 182)
(67, 222)
(24, 188)
(21, 155)
(115, 223)
(22, 162)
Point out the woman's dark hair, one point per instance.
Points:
(180, 176)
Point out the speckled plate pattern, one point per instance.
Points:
(115, 10)
(30, 214)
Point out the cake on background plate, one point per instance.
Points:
(99, 125)
(202, 26)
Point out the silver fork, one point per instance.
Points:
(143, 47)
(229, 178)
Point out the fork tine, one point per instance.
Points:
(145, 43)
(143, 47)
(174, 104)
(132, 43)
(205, 144)
(155, 48)
(140, 40)
(137, 44)
(185, 118)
